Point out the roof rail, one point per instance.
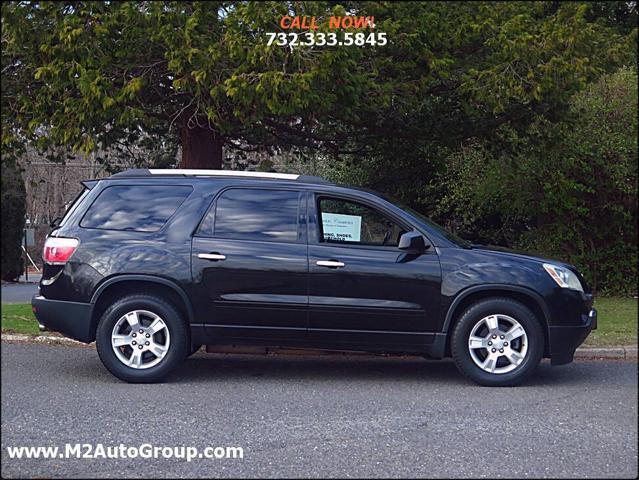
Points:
(221, 173)
(143, 172)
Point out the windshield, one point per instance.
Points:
(424, 219)
(428, 222)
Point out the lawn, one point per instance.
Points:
(18, 318)
(617, 321)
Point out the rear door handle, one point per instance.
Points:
(211, 256)
(329, 263)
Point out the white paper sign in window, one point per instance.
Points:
(341, 228)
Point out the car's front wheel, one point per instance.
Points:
(497, 342)
(141, 338)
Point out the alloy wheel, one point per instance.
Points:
(498, 344)
(140, 339)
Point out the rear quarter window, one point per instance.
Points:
(140, 208)
(73, 205)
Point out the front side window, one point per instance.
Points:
(349, 222)
(140, 208)
(254, 214)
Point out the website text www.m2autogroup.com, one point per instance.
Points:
(145, 450)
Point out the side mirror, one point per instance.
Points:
(412, 242)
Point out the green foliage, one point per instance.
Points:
(13, 211)
(87, 74)
(566, 189)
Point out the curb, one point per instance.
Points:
(46, 339)
(584, 353)
(619, 353)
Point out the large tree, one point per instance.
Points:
(101, 73)
(95, 73)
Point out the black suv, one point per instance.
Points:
(152, 264)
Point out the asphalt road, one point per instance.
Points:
(320, 416)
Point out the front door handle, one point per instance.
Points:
(211, 256)
(329, 263)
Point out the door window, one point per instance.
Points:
(254, 214)
(353, 223)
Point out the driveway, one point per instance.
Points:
(320, 416)
(19, 292)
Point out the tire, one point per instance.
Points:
(521, 355)
(163, 344)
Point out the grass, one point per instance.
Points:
(617, 323)
(18, 318)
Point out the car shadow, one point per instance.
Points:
(349, 368)
(215, 367)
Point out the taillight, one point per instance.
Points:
(57, 250)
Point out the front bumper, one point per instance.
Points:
(72, 319)
(564, 340)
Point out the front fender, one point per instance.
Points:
(494, 287)
(467, 272)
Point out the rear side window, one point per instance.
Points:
(140, 208)
(254, 214)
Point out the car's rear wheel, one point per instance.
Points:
(497, 342)
(141, 338)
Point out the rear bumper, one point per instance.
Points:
(72, 319)
(564, 340)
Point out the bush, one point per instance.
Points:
(565, 189)
(13, 211)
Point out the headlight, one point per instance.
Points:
(564, 277)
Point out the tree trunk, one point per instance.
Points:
(201, 148)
